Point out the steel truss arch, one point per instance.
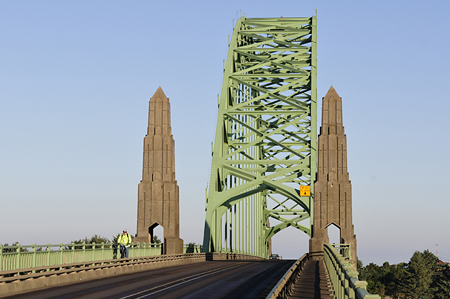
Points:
(265, 145)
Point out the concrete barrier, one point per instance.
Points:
(13, 282)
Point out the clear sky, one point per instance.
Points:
(76, 77)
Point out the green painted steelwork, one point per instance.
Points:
(344, 280)
(283, 288)
(265, 145)
(31, 256)
(18, 256)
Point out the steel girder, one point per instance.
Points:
(265, 145)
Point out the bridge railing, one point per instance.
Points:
(31, 256)
(192, 248)
(344, 279)
(240, 252)
(285, 285)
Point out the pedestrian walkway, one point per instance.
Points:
(313, 282)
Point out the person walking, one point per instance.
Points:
(125, 241)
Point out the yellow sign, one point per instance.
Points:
(305, 190)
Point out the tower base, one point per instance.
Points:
(173, 245)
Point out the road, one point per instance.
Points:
(212, 279)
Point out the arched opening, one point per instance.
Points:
(156, 233)
(334, 234)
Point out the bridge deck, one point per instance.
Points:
(209, 280)
(313, 282)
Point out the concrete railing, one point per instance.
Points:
(284, 287)
(18, 256)
(344, 279)
(25, 280)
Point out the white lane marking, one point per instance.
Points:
(183, 281)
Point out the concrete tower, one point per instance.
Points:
(158, 201)
(333, 190)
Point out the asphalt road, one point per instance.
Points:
(213, 279)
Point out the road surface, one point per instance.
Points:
(212, 279)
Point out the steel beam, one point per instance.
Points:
(265, 145)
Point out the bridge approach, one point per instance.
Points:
(269, 171)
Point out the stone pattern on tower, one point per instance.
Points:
(333, 190)
(158, 194)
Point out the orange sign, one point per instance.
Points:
(305, 190)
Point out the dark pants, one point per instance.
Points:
(123, 251)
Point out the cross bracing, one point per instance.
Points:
(265, 145)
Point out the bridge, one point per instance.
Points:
(270, 171)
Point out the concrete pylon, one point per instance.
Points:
(333, 190)
(158, 196)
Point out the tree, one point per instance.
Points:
(422, 277)
(419, 275)
(394, 279)
(375, 287)
(115, 238)
(441, 282)
(156, 240)
(5, 250)
(360, 269)
(97, 239)
(373, 274)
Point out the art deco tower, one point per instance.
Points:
(333, 190)
(158, 201)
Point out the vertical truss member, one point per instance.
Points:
(265, 148)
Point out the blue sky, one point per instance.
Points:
(76, 77)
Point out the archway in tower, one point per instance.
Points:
(334, 234)
(156, 232)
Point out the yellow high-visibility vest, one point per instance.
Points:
(124, 239)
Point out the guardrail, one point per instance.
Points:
(31, 256)
(344, 279)
(343, 249)
(25, 280)
(286, 284)
(192, 248)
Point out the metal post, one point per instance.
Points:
(61, 258)
(314, 149)
(73, 252)
(48, 255)
(1, 257)
(225, 217)
(18, 256)
(33, 263)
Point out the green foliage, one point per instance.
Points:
(5, 250)
(359, 267)
(441, 282)
(394, 279)
(115, 238)
(421, 277)
(192, 247)
(97, 239)
(156, 240)
(373, 274)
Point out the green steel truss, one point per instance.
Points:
(265, 145)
